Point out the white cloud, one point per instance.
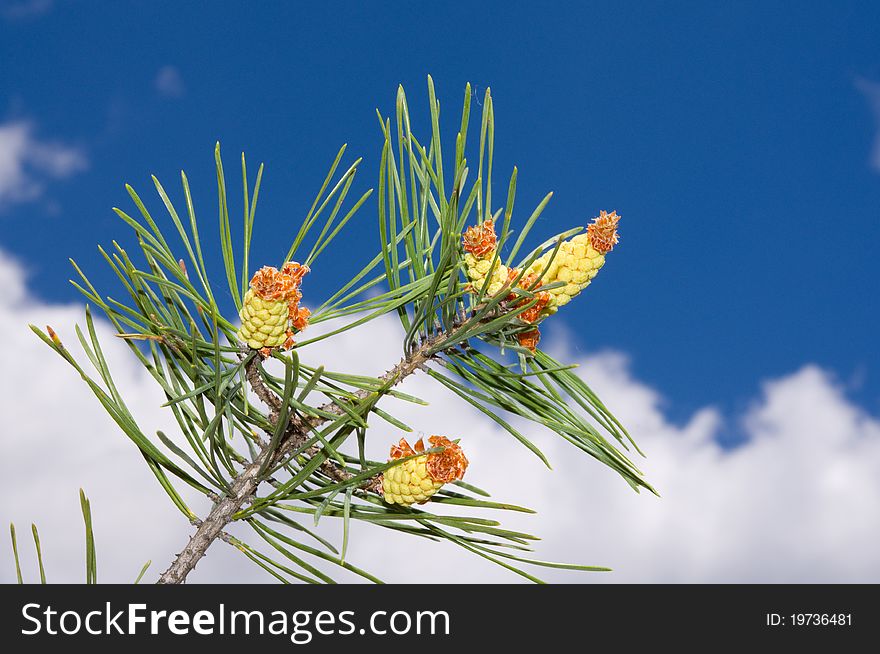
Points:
(169, 82)
(27, 162)
(796, 502)
(55, 439)
(871, 91)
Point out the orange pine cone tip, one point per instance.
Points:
(275, 285)
(529, 339)
(529, 282)
(403, 449)
(296, 271)
(420, 477)
(448, 465)
(480, 240)
(299, 317)
(534, 312)
(603, 232)
(270, 309)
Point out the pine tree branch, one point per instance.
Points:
(181, 324)
(252, 373)
(245, 485)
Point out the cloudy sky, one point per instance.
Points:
(733, 329)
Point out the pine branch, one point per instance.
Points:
(470, 327)
(245, 485)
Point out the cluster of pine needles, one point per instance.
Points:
(280, 468)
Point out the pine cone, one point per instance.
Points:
(529, 283)
(478, 269)
(417, 479)
(480, 240)
(578, 260)
(263, 322)
(480, 243)
(270, 310)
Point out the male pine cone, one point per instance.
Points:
(418, 478)
(263, 322)
(578, 260)
(480, 244)
(270, 310)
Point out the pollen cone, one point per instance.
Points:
(270, 310)
(578, 260)
(417, 479)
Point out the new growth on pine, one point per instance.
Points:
(274, 439)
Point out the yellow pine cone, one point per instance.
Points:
(478, 269)
(417, 479)
(480, 243)
(263, 322)
(270, 309)
(578, 260)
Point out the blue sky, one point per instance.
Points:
(735, 140)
